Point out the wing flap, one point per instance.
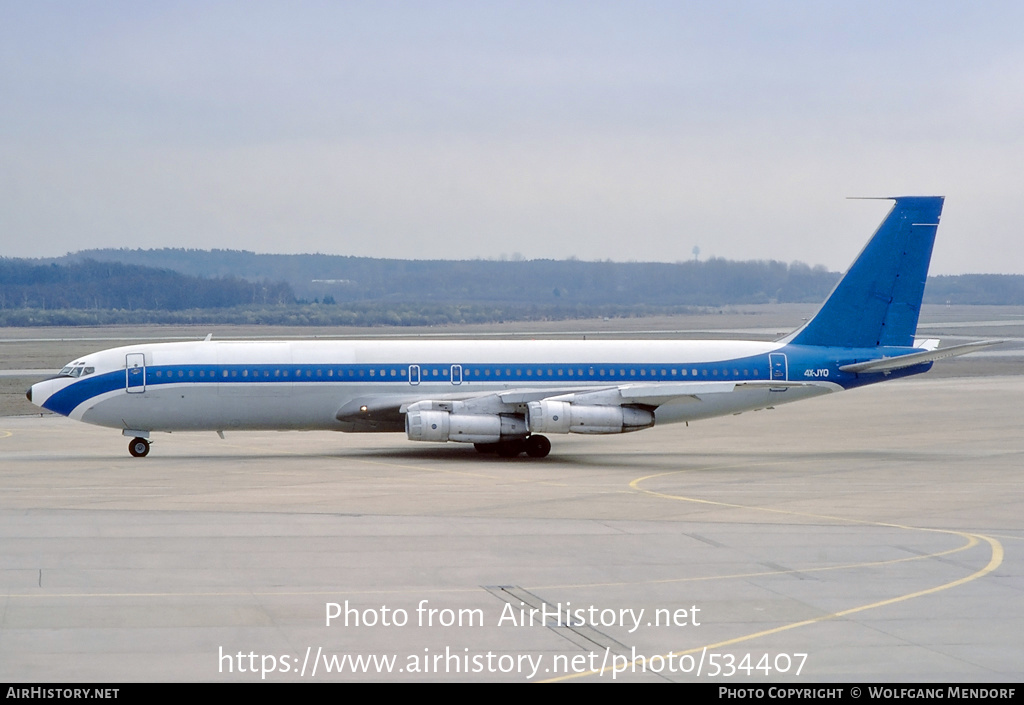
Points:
(652, 395)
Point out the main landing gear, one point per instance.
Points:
(138, 447)
(533, 446)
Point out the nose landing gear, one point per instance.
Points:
(138, 447)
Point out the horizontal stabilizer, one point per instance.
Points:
(887, 364)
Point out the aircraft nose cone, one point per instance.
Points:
(28, 394)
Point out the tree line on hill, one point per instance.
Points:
(346, 279)
(230, 286)
(93, 285)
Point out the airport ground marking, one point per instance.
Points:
(973, 539)
(968, 543)
(994, 562)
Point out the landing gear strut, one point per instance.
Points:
(534, 446)
(138, 447)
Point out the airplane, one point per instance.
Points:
(503, 396)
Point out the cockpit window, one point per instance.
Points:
(78, 370)
(66, 372)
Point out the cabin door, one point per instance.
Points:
(135, 373)
(779, 371)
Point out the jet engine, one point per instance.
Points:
(441, 426)
(550, 416)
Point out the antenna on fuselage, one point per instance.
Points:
(208, 338)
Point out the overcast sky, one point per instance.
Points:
(621, 130)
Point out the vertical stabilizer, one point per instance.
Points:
(878, 300)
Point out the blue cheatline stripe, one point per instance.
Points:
(744, 368)
(85, 388)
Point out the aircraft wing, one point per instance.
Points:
(386, 412)
(887, 364)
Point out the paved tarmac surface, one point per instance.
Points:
(875, 535)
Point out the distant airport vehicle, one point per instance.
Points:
(503, 396)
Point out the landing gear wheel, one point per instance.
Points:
(139, 447)
(511, 449)
(538, 446)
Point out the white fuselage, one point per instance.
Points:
(221, 385)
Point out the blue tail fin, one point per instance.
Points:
(878, 300)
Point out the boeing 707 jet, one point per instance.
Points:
(508, 396)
